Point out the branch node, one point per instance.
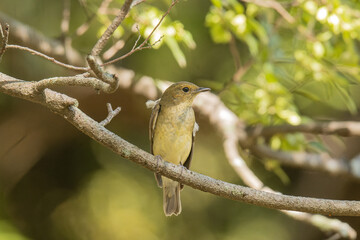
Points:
(99, 71)
(145, 44)
(106, 77)
(111, 114)
(138, 38)
(57, 101)
(100, 44)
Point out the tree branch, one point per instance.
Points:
(320, 162)
(51, 59)
(79, 80)
(227, 123)
(111, 114)
(144, 45)
(341, 128)
(33, 39)
(234, 52)
(28, 90)
(38, 41)
(100, 44)
(111, 79)
(67, 108)
(4, 45)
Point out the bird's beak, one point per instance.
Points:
(201, 89)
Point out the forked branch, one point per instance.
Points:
(67, 108)
(145, 44)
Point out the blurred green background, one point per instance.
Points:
(56, 183)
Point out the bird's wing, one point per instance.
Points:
(189, 158)
(156, 108)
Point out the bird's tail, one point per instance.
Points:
(171, 197)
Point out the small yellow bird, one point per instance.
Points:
(172, 130)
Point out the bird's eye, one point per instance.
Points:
(185, 89)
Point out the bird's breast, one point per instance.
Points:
(173, 134)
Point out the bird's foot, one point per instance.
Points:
(158, 160)
(181, 172)
(182, 169)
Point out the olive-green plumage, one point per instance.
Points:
(172, 137)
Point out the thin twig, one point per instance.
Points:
(13, 146)
(100, 44)
(4, 39)
(144, 45)
(111, 114)
(234, 52)
(241, 71)
(320, 162)
(51, 59)
(132, 51)
(137, 40)
(118, 46)
(85, 26)
(101, 10)
(160, 21)
(27, 36)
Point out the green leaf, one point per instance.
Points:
(217, 3)
(259, 30)
(176, 51)
(236, 6)
(188, 40)
(275, 167)
(219, 34)
(252, 44)
(349, 102)
(317, 147)
(307, 94)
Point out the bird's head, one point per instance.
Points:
(181, 92)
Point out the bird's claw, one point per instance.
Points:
(182, 169)
(158, 159)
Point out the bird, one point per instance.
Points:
(172, 129)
